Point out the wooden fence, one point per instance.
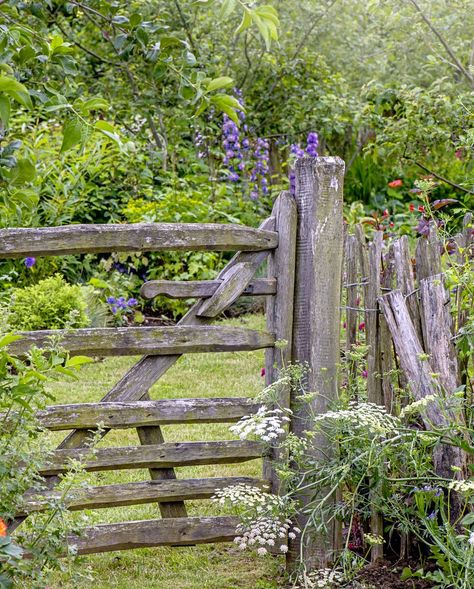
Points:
(303, 245)
(396, 302)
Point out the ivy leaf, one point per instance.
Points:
(73, 133)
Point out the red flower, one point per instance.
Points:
(262, 372)
(421, 209)
(344, 325)
(392, 224)
(3, 528)
(411, 208)
(395, 183)
(362, 326)
(386, 213)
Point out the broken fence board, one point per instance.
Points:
(182, 289)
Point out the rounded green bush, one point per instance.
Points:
(50, 304)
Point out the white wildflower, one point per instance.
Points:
(284, 548)
(265, 424)
(471, 539)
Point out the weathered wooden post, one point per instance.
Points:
(316, 319)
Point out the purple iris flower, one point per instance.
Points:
(30, 262)
(111, 300)
(132, 302)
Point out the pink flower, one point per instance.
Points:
(395, 183)
(344, 325)
(362, 326)
(364, 374)
(262, 372)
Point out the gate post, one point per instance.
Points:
(316, 319)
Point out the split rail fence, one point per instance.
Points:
(306, 254)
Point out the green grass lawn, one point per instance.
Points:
(220, 566)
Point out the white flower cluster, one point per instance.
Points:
(463, 486)
(265, 532)
(417, 407)
(320, 579)
(250, 498)
(371, 417)
(266, 424)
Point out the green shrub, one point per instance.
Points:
(50, 304)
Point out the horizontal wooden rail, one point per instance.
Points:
(143, 237)
(181, 289)
(166, 455)
(131, 341)
(145, 413)
(139, 493)
(158, 532)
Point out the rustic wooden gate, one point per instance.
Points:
(302, 240)
(128, 404)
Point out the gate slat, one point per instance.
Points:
(185, 289)
(166, 455)
(145, 413)
(131, 341)
(136, 237)
(139, 493)
(161, 532)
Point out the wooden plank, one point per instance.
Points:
(351, 279)
(386, 345)
(182, 289)
(420, 377)
(437, 325)
(372, 293)
(113, 415)
(143, 237)
(405, 280)
(428, 254)
(316, 325)
(130, 341)
(164, 491)
(279, 309)
(228, 291)
(164, 455)
(147, 533)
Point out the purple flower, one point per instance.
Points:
(432, 515)
(114, 309)
(364, 374)
(132, 302)
(111, 300)
(30, 262)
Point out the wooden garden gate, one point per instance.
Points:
(302, 238)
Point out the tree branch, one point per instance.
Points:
(457, 64)
(441, 178)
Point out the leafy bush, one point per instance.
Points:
(23, 391)
(50, 304)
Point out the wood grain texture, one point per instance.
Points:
(438, 333)
(164, 491)
(228, 291)
(182, 289)
(164, 455)
(316, 324)
(144, 237)
(115, 415)
(147, 533)
(279, 309)
(405, 280)
(372, 324)
(428, 254)
(351, 279)
(131, 341)
(421, 380)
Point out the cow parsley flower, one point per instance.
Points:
(266, 425)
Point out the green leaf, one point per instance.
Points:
(245, 22)
(218, 83)
(23, 172)
(227, 7)
(73, 133)
(16, 90)
(8, 339)
(108, 130)
(4, 110)
(78, 361)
